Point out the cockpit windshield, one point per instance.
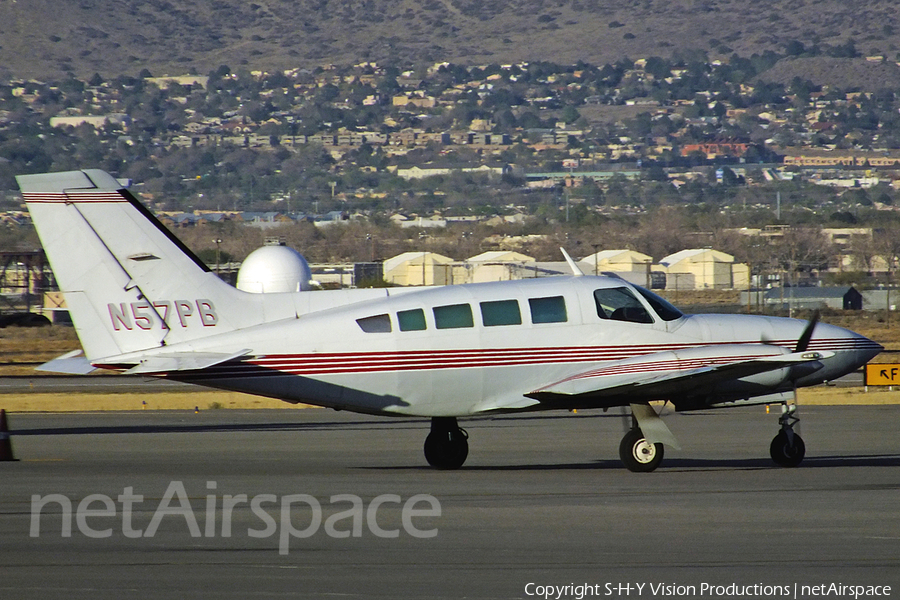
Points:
(663, 308)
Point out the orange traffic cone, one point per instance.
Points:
(6, 452)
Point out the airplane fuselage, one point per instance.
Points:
(470, 349)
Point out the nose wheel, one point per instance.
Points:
(787, 448)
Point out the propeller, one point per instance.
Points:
(803, 340)
(806, 336)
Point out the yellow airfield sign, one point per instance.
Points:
(883, 374)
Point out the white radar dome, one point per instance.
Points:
(274, 269)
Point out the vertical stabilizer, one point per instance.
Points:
(129, 283)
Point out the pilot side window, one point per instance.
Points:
(501, 312)
(548, 310)
(453, 316)
(620, 304)
(376, 324)
(411, 320)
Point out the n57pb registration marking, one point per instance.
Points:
(146, 315)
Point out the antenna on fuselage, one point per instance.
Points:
(576, 270)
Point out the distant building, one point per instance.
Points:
(163, 83)
(433, 222)
(497, 265)
(419, 268)
(413, 100)
(717, 149)
(812, 157)
(704, 269)
(420, 173)
(810, 298)
(617, 261)
(120, 120)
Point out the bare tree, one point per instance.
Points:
(661, 233)
(753, 250)
(864, 250)
(801, 250)
(887, 243)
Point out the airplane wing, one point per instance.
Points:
(662, 375)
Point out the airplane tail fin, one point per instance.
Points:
(129, 284)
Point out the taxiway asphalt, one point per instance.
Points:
(542, 500)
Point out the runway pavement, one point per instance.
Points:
(542, 500)
(41, 383)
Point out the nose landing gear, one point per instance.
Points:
(787, 449)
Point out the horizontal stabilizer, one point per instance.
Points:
(180, 361)
(70, 363)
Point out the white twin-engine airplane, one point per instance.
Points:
(142, 303)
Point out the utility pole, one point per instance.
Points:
(887, 289)
(749, 286)
(217, 241)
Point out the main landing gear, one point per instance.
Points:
(787, 449)
(641, 450)
(637, 454)
(447, 446)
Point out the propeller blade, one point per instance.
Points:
(803, 342)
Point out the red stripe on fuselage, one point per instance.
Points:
(379, 362)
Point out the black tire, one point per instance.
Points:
(638, 455)
(446, 449)
(786, 454)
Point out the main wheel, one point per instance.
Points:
(446, 449)
(786, 454)
(637, 454)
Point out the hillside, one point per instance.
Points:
(844, 73)
(47, 38)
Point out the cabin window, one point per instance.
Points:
(453, 316)
(376, 324)
(548, 310)
(501, 312)
(620, 304)
(411, 320)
